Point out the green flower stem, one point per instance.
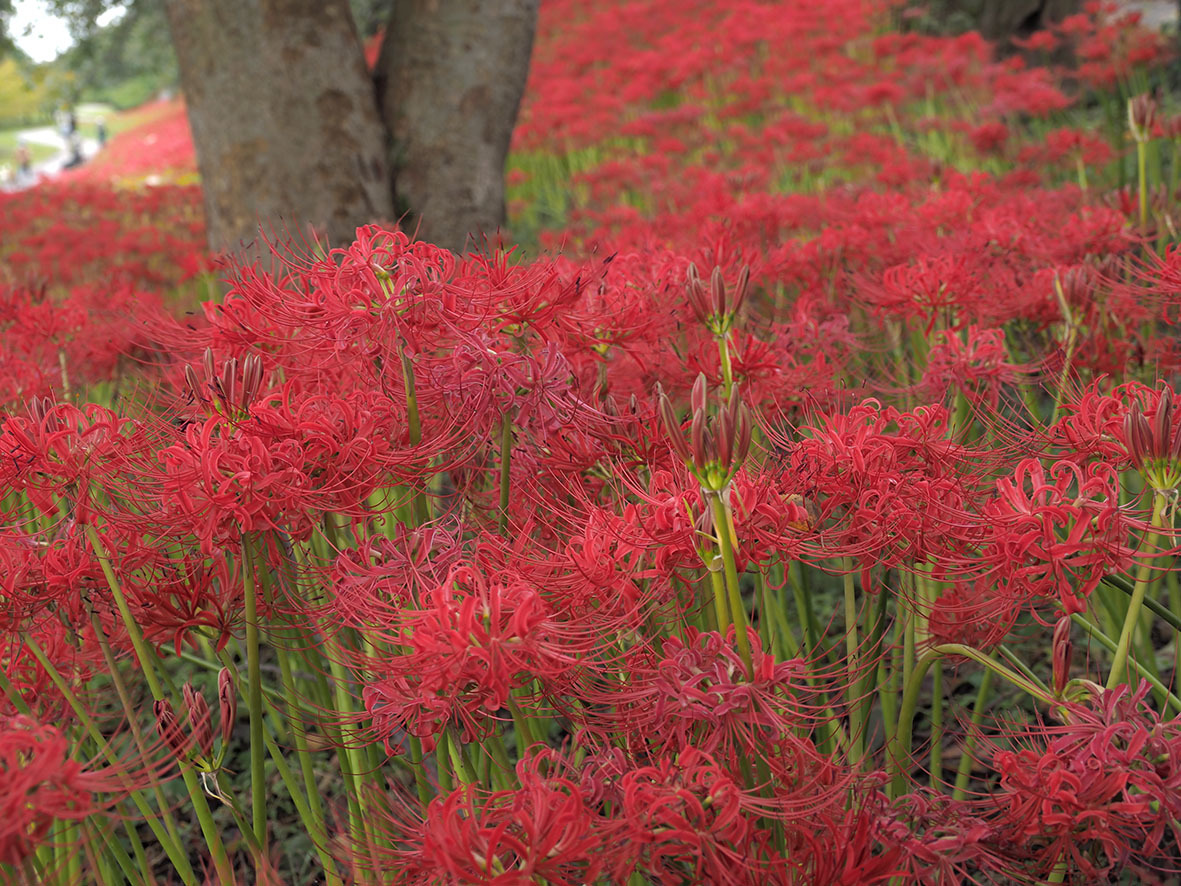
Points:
(898, 751)
(767, 625)
(852, 664)
(172, 848)
(1169, 616)
(802, 595)
(443, 763)
(717, 586)
(70, 860)
(727, 366)
(258, 784)
(963, 772)
(1174, 586)
(313, 813)
(1071, 340)
(936, 725)
(724, 527)
(501, 775)
(316, 831)
(459, 761)
(143, 652)
(114, 849)
(524, 728)
(113, 669)
(1142, 179)
(1026, 671)
(421, 785)
(1119, 661)
(351, 762)
(1161, 689)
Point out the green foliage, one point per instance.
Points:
(27, 93)
(127, 62)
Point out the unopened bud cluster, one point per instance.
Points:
(716, 308)
(196, 745)
(1155, 447)
(1142, 112)
(233, 389)
(717, 445)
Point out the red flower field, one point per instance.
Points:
(794, 502)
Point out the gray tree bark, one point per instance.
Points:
(1002, 20)
(450, 79)
(289, 129)
(1020, 18)
(283, 117)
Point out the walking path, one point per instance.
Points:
(1156, 13)
(51, 138)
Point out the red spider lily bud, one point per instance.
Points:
(1077, 284)
(744, 432)
(672, 427)
(251, 379)
(193, 383)
(169, 728)
(227, 700)
(1061, 650)
(698, 395)
(734, 432)
(717, 287)
(1137, 436)
(200, 721)
(695, 291)
(700, 440)
(1162, 426)
(229, 381)
(726, 432)
(1142, 111)
(740, 290)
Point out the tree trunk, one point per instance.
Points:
(450, 79)
(284, 117)
(1005, 19)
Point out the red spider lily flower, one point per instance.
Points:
(887, 486)
(973, 613)
(41, 782)
(178, 598)
(695, 693)
(1057, 533)
(976, 365)
(1096, 793)
(547, 829)
(687, 817)
(473, 641)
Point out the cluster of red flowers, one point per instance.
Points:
(495, 554)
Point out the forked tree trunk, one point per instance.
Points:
(283, 115)
(1001, 20)
(450, 79)
(1004, 19)
(289, 128)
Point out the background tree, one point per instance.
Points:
(999, 20)
(291, 128)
